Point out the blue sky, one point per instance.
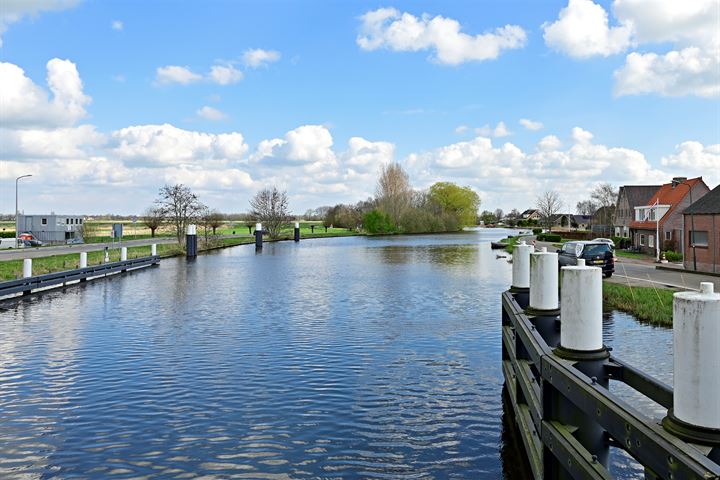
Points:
(633, 100)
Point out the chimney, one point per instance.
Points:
(677, 181)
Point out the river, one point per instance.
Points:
(349, 357)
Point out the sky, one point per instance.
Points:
(104, 102)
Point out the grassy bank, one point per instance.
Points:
(647, 304)
(510, 242)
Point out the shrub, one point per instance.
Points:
(621, 242)
(549, 237)
(537, 231)
(7, 234)
(673, 256)
(376, 221)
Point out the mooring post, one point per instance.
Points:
(695, 416)
(153, 250)
(544, 308)
(581, 342)
(297, 231)
(123, 254)
(27, 272)
(258, 236)
(107, 255)
(521, 273)
(83, 264)
(191, 241)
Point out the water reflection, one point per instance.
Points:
(335, 358)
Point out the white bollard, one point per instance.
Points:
(521, 265)
(581, 308)
(83, 259)
(153, 249)
(297, 224)
(123, 254)
(544, 280)
(696, 331)
(27, 267)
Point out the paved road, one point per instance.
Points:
(644, 274)
(37, 252)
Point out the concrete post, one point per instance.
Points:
(581, 307)
(153, 250)
(581, 342)
(258, 236)
(544, 309)
(83, 259)
(123, 254)
(521, 273)
(27, 267)
(297, 231)
(695, 415)
(191, 241)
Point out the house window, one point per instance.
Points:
(44, 221)
(698, 238)
(67, 221)
(651, 241)
(668, 235)
(81, 221)
(642, 240)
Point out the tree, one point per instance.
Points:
(215, 220)
(586, 207)
(153, 218)
(499, 214)
(376, 221)
(270, 207)
(393, 191)
(462, 202)
(548, 204)
(487, 217)
(604, 195)
(180, 206)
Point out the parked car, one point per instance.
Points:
(29, 240)
(604, 240)
(596, 254)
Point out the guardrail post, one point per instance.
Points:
(581, 342)
(297, 231)
(153, 250)
(544, 308)
(107, 255)
(191, 241)
(258, 236)
(123, 254)
(521, 273)
(695, 416)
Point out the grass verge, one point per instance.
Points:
(510, 242)
(647, 304)
(638, 256)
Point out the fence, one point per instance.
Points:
(557, 374)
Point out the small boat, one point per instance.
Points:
(497, 245)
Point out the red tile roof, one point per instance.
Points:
(667, 195)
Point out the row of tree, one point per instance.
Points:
(397, 207)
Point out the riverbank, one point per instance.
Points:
(647, 304)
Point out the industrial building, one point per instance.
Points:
(52, 228)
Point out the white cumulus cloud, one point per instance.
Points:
(210, 113)
(25, 104)
(225, 74)
(176, 74)
(13, 11)
(257, 57)
(499, 131)
(582, 31)
(530, 124)
(403, 32)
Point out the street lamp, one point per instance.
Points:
(17, 225)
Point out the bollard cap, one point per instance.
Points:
(297, 224)
(258, 226)
(706, 294)
(543, 250)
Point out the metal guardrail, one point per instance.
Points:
(26, 285)
(543, 388)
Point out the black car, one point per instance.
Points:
(596, 254)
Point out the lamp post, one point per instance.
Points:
(17, 225)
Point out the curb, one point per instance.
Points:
(682, 270)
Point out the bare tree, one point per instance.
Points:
(215, 220)
(270, 206)
(586, 207)
(153, 218)
(393, 191)
(180, 206)
(548, 205)
(604, 195)
(499, 214)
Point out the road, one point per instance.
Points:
(644, 274)
(38, 252)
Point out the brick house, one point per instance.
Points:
(667, 205)
(629, 197)
(704, 216)
(601, 221)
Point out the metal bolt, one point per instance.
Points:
(594, 380)
(594, 459)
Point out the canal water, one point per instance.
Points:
(331, 358)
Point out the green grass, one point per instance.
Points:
(647, 304)
(635, 255)
(511, 242)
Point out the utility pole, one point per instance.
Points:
(17, 212)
